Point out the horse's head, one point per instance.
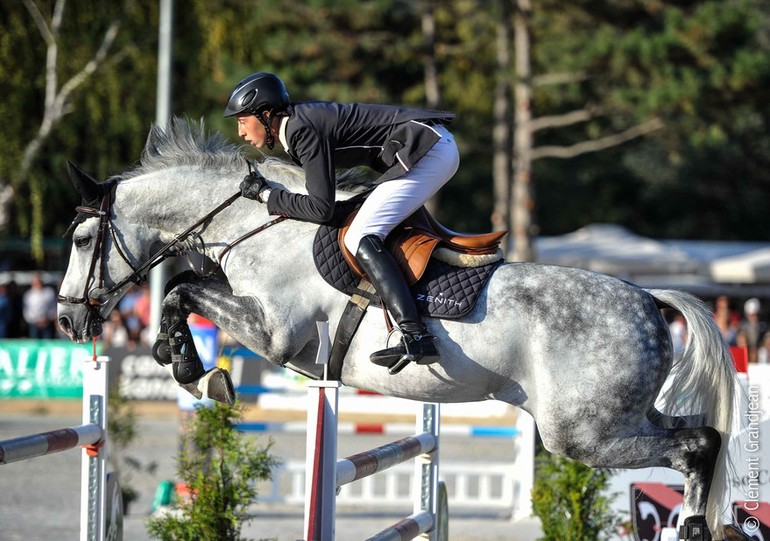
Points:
(95, 277)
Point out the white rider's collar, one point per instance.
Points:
(282, 133)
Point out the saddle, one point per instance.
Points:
(414, 241)
(446, 271)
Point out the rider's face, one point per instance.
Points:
(251, 129)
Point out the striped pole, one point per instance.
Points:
(45, 443)
(90, 435)
(406, 529)
(381, 458)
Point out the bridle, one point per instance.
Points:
(139, 274)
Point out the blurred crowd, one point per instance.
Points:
(743, 326)
(28, 312)
(31, 313)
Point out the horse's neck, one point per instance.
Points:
(276, 259)
(169, 202)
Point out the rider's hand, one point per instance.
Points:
(251, 185)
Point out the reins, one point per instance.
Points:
(140, 274)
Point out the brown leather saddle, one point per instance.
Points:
(412, 243)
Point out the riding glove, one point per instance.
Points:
(251, 185)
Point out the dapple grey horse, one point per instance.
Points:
(586, 354)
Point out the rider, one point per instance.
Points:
(411, 148)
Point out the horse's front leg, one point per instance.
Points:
(174, 347)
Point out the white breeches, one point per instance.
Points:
(394, 200)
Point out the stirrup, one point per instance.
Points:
(400, 364)
(412, 348)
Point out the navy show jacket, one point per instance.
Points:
(324, 136)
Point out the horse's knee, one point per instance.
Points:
(181, 278)
(177, 297)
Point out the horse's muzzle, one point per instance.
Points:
(92, 327)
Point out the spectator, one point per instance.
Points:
(114, 333)
(16, 327)
(763, 352)
(127, 307)
(727, 319)
(142, 311)
(752, 327)
(39, 309)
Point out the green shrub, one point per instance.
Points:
(569, 499)
(220, 468)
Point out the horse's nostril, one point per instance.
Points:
(65, 323)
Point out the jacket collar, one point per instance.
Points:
(282, 134)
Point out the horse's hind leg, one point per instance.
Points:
(175, 348)
(691, 451)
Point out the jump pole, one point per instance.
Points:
(326, 474)
(91, 435)
(93, 468)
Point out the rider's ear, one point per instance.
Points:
(87, 186)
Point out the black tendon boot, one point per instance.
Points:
(186, 363)
(187, 368)
(161, 350)
(383, 272)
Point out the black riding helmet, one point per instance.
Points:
(256, 93)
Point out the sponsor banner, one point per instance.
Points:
(654, 506)
(42, 368)
(139, 376)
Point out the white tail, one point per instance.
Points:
(703, 382)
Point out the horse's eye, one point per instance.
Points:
(82, 241)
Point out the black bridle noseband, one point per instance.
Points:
(139, 274)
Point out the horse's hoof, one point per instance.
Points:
(219, 386)
(214, 384)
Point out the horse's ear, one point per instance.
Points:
(87, 186)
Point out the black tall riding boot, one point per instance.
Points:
(383, 272)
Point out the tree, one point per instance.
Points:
(56, 104)
(598, 69)
(525, 126)
(502, 120)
